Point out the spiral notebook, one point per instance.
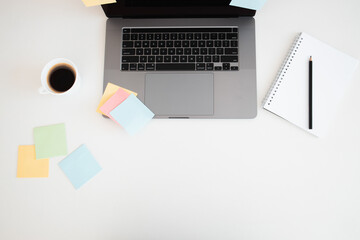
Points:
(332, 73)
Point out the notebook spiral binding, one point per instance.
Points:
(282, 71)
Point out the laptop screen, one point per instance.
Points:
(177, 3)
(173, 9)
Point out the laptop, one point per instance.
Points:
(184, 58)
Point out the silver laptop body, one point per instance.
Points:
(188, 94)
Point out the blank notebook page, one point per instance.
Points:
(289, 94)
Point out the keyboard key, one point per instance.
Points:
(134, 36)
(128, 44)
(142, 36)
(193, 44)
(229, 58)
(179, 51)
(175, 67)
(200, 66)
(126, 37)
(155, 51)
(141, 67)
(159, 59)
(133, 67)
(199, 58)
(217, 43)
(147, 51)
(183, 58)
(232, 36)
(211, 51)
(182, 36)
(169, 44)
(177, 44)
(185, 43)
(173, 36)
(161, 44)
(230, 51)
(139, 51)
(209, 66)
(197, 36)
(203, 51)
(166, 36)
(234, 68)
(218, 68)
(187, 51)
(226, 66)
(124, 66)
(163, 51)
(195, 51)
(219, 51)
(151, 59)
(213, 36)
(167, 58)
(175, 58)
(201, 43)
(157, 36)
(235, 29)
(150, 36)
(153, 44)
(137, 44)
(210, 43)
(128, 51)
(205, 36)
(189, 36)
(207, 58)
(128, 59)
(191, 58)
(234, 44)
(216, 58)
(126, 30)
(222, 36)
(146, 44)
(171, 51)
(143, 59)
(225, 43)
(150, 66)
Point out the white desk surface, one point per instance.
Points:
(178, 179)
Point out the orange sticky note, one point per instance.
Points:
(28, 166)
(110, 90)
(90, 3)
(114, 101)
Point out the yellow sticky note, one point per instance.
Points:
(109, 91)
(28, 166)
(90, 3)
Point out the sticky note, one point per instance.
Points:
(28, 166)
(132, 114)
(80, 166)
(250, 4)
(114, 101)
(90, 3)
(50, 141)
(110, 90)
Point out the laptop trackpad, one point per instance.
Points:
(180, 95)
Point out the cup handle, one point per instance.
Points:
(43, 91)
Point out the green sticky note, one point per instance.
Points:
(50, 141)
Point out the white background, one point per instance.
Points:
(178, 179)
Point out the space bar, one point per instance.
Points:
(175, 66)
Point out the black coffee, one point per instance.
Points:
(61, 77)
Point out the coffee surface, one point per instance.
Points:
(61, 78)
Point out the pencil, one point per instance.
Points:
(310, 94)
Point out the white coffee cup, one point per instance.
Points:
(60, 76)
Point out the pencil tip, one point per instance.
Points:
(310, 58)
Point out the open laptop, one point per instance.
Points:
(184, 58)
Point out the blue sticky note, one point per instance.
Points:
(80, 166)
(132, 114)
(250, 4)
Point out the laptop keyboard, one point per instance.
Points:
(180, 49)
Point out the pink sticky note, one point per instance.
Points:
(119, 96)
